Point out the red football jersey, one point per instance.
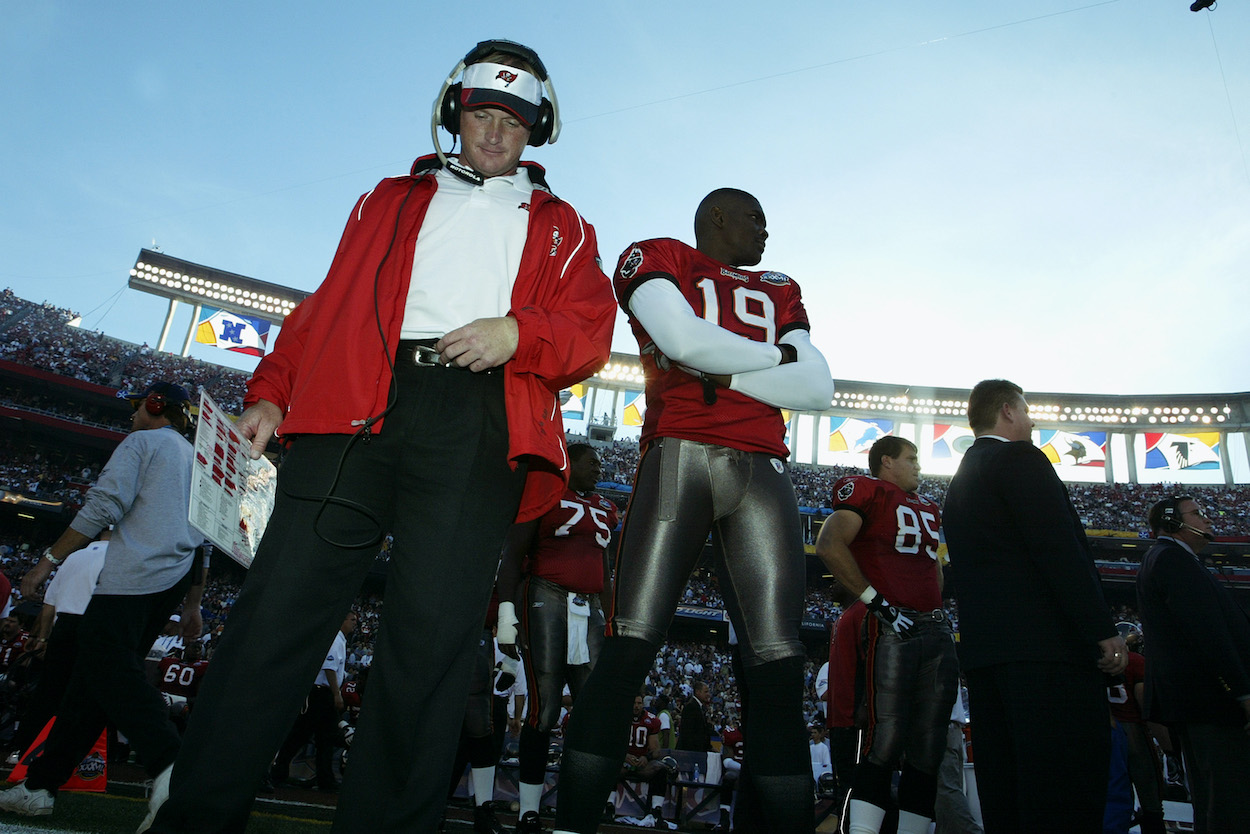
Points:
(571, 539)
(181, 678)
(1124, 707)
(640, 733)
(897, 547)
(762, 306)
(843, 666)
(731, 740)
(10, 650)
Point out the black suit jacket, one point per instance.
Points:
(1021, 568)
(1197, 640)
(695, 732)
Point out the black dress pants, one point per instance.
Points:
(436, 475)
(109, 685)
(1041, 738)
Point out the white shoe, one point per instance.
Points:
(160, 792)
(28, 803)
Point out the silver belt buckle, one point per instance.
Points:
(426, 357)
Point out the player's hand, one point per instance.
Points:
(901, 620)
(481, 344)
(34, 579)
(1113, 655)
(258, 424)
(192, 624)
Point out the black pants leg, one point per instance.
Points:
(108, 685)
(437, 477)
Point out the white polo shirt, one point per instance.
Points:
(467, 253)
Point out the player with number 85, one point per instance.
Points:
(881, 543)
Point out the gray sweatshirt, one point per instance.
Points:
(145, 492)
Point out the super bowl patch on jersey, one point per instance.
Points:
(630, 267)
(779, 466)
(845, 491)
(779, 279)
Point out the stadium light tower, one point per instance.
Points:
(196, 284)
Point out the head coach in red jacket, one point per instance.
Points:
(417, 393)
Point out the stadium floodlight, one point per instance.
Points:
(179, 280)
(623, 371)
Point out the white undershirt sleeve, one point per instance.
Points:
(805, 385)
(686, 339)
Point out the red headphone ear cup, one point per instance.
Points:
(155, 404)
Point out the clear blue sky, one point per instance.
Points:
(1055, 191)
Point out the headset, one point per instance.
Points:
(155, 404)
(447, 107)
(158, 405)
(1166, 516)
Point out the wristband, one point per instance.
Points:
(789, 353)
(47, 554)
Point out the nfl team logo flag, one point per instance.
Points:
(230, 331)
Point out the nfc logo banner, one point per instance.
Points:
(230, 331)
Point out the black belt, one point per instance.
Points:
(422, 353)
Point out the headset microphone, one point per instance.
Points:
(1191, 528)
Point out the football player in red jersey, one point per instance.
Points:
(556, 568)
(179, 680)
(181, 675)
(642, 757)
(846, 684)
(12, 641)
(731, 754)
(881, 543)
(723, 348)
(1126, 697)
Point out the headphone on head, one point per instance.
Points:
(447, 108)
(1167, 515)
(158, 405)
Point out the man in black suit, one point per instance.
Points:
(695, 732)
(1197, 664)
(1036, 635)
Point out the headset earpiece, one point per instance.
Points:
(540, 133)
(1166, 515)
(449, 110)
(155, 404)
(1172, 518)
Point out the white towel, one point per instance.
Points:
(579, 627)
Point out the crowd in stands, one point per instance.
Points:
(40, 335)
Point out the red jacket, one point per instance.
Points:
(327, 370)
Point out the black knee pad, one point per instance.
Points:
(533, 755)
(776, 693)
(600, 722)
(871, 784)
(917, 791)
